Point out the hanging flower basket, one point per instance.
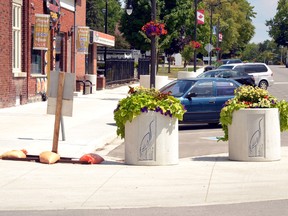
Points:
(195, 44)
(154, 29)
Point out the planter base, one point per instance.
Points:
(254, 135)
(152, 139)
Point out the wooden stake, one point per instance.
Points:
(61, 79)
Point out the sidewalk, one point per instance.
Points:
(198, 181)
(91, 127)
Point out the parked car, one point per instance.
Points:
(263, 75)
(230, 61)
(209, 67)
(239, 76)
(203, 98)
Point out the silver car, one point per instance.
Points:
(262, 74)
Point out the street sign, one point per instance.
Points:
(209, 47)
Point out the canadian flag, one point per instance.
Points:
(220, 37)
(200, 17)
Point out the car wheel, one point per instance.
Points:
(263, 84)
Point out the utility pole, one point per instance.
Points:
(106, 31)
(195, 33)
(153, 47)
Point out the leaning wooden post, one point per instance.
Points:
(61, 79)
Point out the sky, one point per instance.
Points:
(265, 9)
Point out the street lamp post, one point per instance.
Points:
(212, 6)
(105, 11)
(129, 9)
(195, 33)
(153, 47)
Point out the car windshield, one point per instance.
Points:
(207, 74)
(178, 87)
(226, 67)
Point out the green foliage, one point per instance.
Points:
(252, 97)
(143, 100)
(95, 19)
(278, 26)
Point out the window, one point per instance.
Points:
(203, 89)
(36, 58)
(16, 35)
(60, 52)
(225, 88)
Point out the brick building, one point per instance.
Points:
(24, 69)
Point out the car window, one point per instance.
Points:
(241, 73)
(239, 68)
(235, 61)
(226, 67)
(207, 74)
(225, 88)
(178, 88)
(255, 68)
(203, 89)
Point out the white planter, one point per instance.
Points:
(160, 81)
(152, 139)
(186, 74)
(254, 135)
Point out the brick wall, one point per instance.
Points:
(25, 88)
(81, 12)
(7, 93)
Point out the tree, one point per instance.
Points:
(278, 26)
(251, 52)
(95, 18)
(235, 18)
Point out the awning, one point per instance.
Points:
(102, 38)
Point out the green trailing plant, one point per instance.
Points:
(142, 100)
(252, 97)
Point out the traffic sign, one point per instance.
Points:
(209, 47)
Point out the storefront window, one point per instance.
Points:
(16, 28)
(36, 59)
(59, 52)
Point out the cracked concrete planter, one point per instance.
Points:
(254, 135)
(152, 139)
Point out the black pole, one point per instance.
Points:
(211, 12)
(153, 47)
(195, 33)
(218, 27)
(105, 29)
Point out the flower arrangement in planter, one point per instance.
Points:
(143, 100)
(154, 29)
(249, 97)
(195, 44)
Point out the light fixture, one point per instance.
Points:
(129, 8)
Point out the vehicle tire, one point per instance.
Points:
(263, 84)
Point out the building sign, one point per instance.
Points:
(41, 32)
(102, 39)
(82, 39)
(53, 8)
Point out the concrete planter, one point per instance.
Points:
(254, 135)
(160, 81)
(186, 74)
(152, 139)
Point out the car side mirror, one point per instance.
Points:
(191, 94)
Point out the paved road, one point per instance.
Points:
(182, 188)
(198, 140)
